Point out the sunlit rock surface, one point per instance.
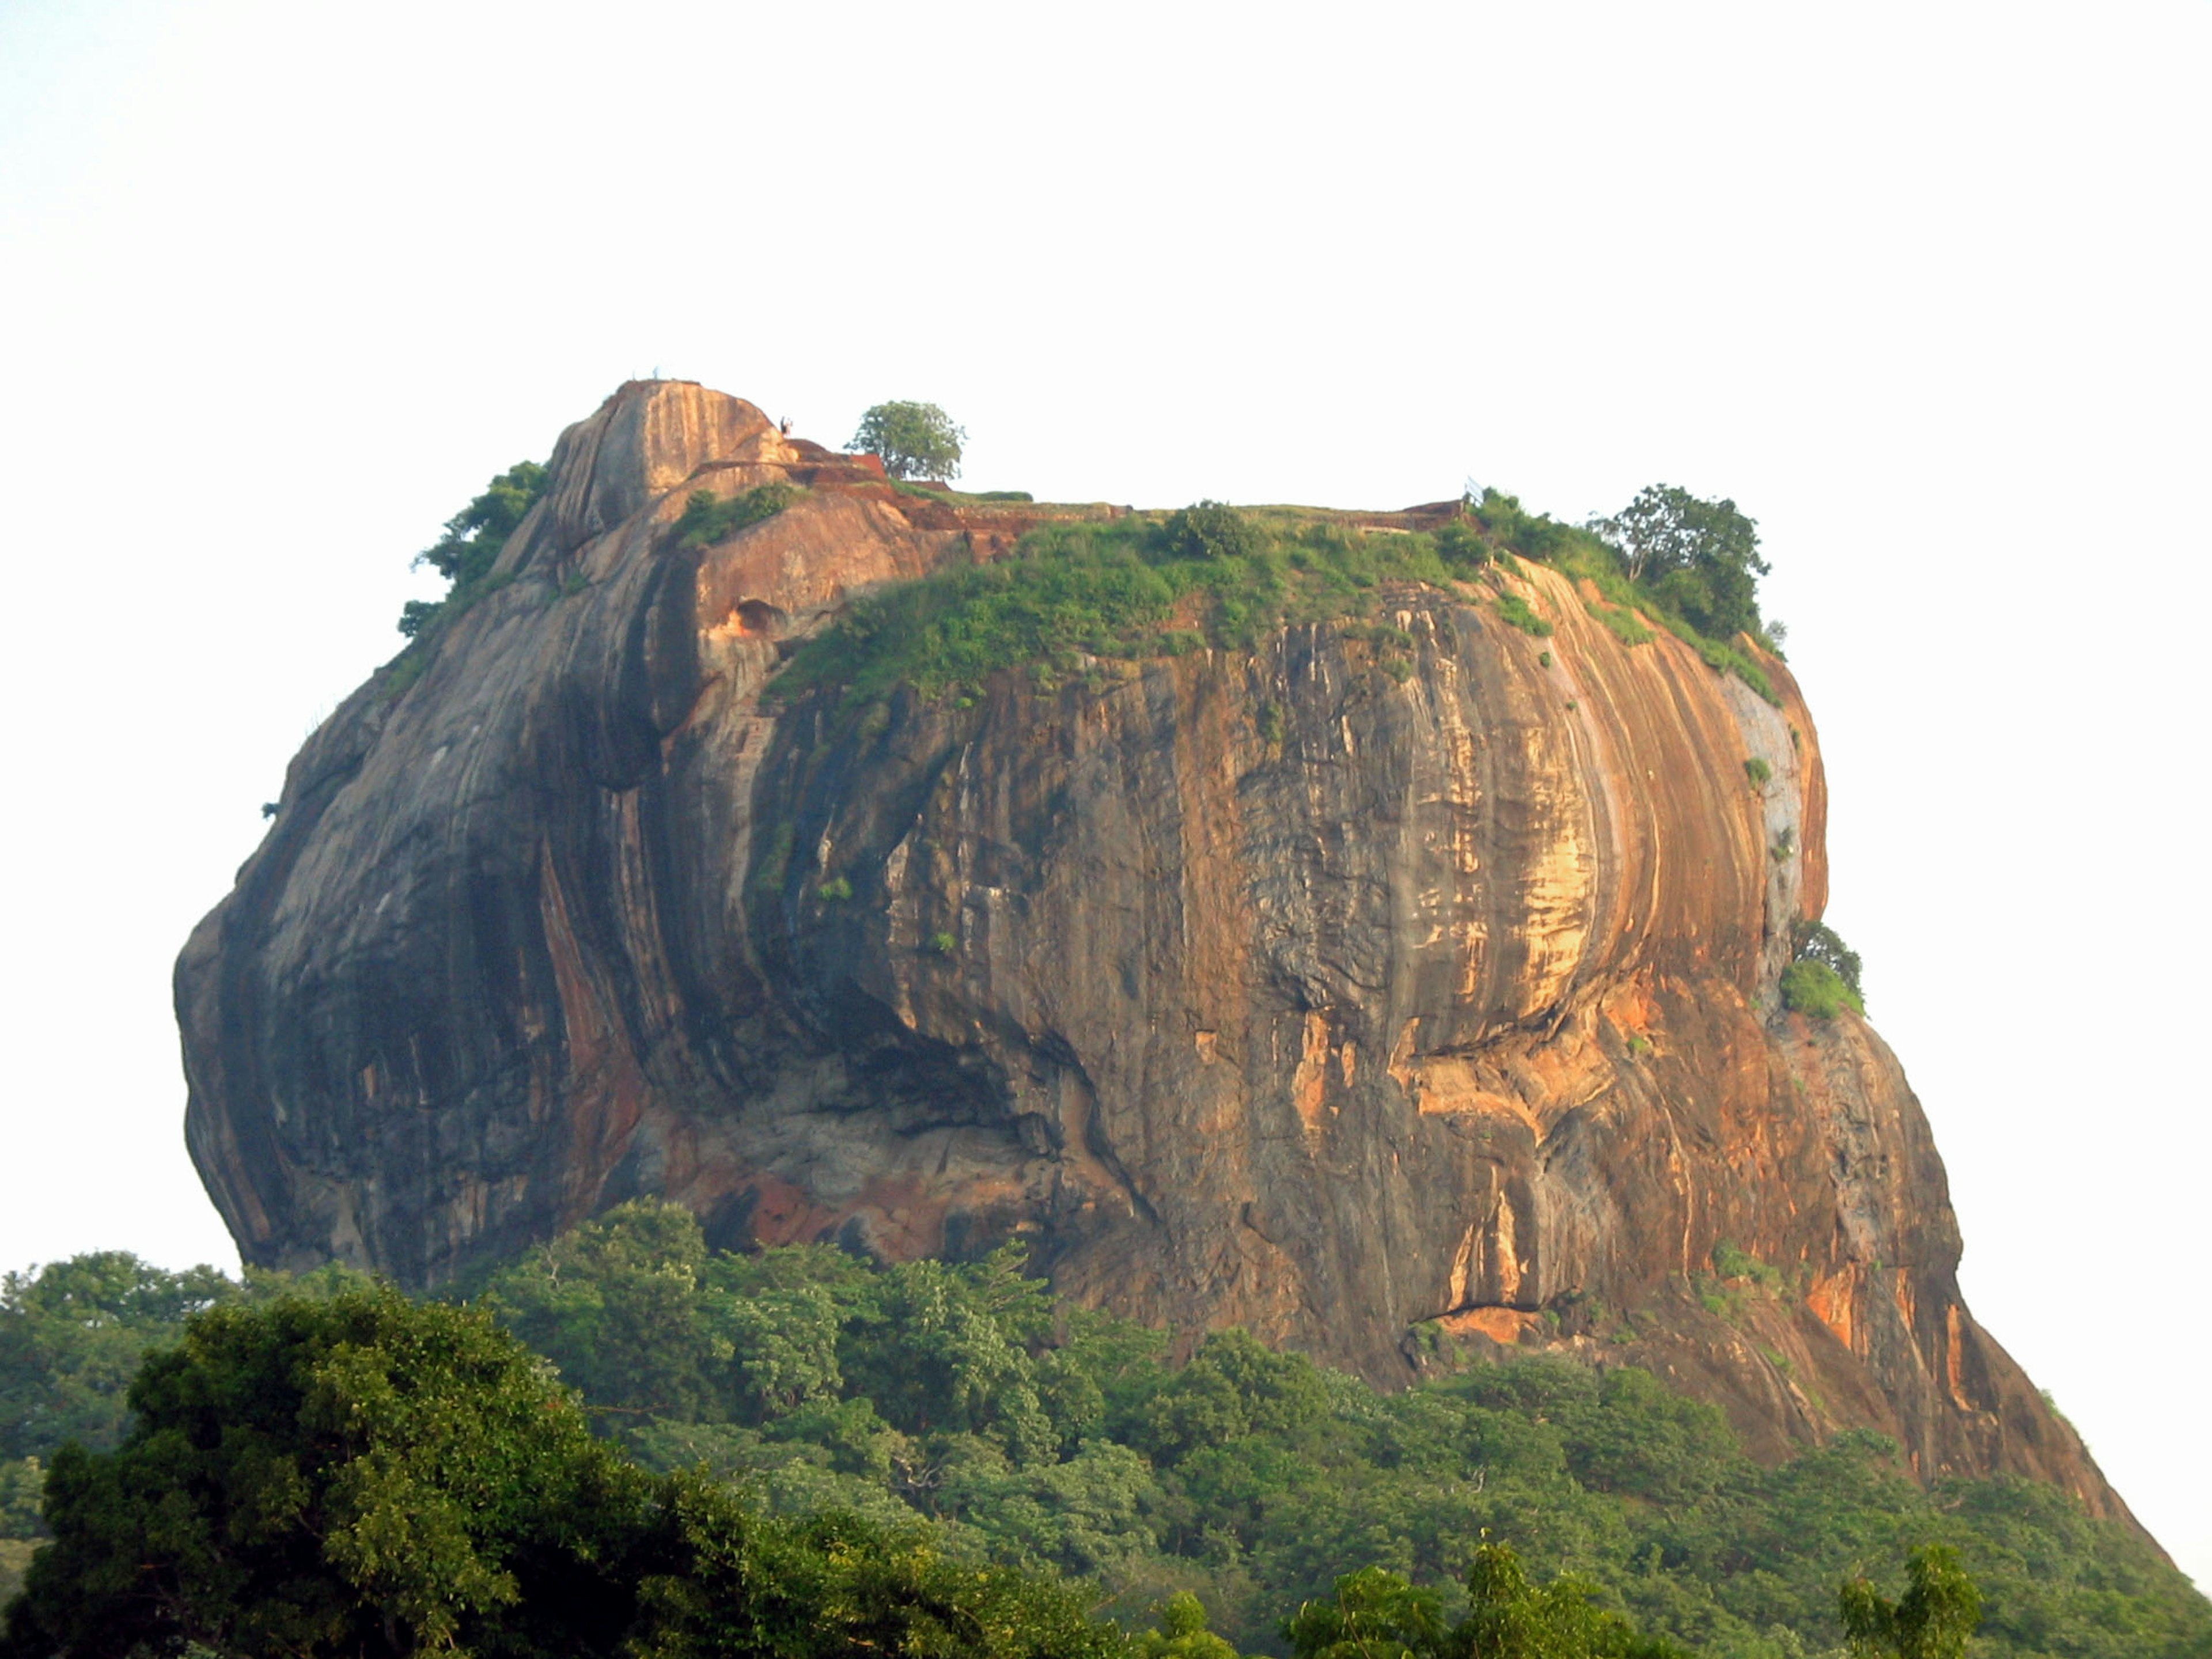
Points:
(1393, 1019)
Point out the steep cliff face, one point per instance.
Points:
(1393, 1015)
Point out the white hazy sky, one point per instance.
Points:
(1923, 287)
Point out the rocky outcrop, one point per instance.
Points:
(1395, 1015)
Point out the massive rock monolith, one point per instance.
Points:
(1396, 1015)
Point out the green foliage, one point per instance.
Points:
(1515, 610)
(1373, 1614)
(1932, 1620)
(355, 1474)
(1181, 1632)
(1212, 530)
(1816, 989)
(708, 518)
(1699, 558)
(1504, 524)
(72, 1336)
(915, 440)
(1626, 625)
(835, 890)
(1823, 978)
(1818, 942)
(1129, 589)
(922, 1446)
(1463, 549)
(1209, 574)
(1723, 659)
(1757, 771)
(472, 543)
(1731, 1262)
(1377, 1614)
(1043, 1439)
(366, 1475)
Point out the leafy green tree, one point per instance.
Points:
(1939, 1610)
(474, 535)
(1818, 942)
(71, 1337)
(1511, 1617)
(1814, 988)
(915, 440)
(1374, 1614)
(1181, 1632)
(474, 539)
(1700, 556)
(619, 1306)
(1212, 530)
(359, 1475)
(1234, 1387)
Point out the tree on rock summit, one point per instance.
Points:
(917, 441)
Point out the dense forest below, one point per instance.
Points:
(961, 1403)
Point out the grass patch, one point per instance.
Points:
(1729, 1262)
(1134, 588)
(1815, 989)
(1626, 625)
(708, 518)
(1151, 585)
(1757, 771)
(1725, 659)
(1517, 612)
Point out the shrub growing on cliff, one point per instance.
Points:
(915, 440)
(1517, 612)
(472, 543)
(708, 518)
(1816, 988)
(1815, 941)
(1212, 530)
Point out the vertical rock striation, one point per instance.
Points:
(1394, 1018)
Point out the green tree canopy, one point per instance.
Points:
(367, 1476)
(1941, 1608)
(1701, 557)
(1818, 942)
(71, 1336)
(475, 537)
(915, 440)
(359, 1475)
(1377, 1614)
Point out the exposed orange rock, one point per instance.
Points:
(1450, 1008)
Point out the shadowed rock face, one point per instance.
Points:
(1393, 1019)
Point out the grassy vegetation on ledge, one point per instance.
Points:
(708, 518)
(1131, 588)
(1162, 584)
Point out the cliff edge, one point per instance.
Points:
(1396, 1015)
